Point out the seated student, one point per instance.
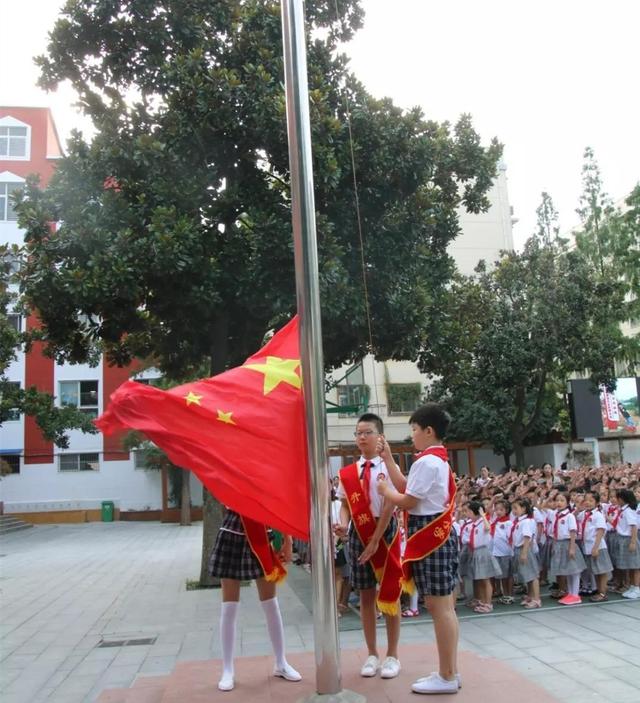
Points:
(431, 557)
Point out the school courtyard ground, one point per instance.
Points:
(100, 612)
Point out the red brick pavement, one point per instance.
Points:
(484, 679)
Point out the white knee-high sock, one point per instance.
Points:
(275, 629)
(573, 584)
(228, 617)
(413, 600)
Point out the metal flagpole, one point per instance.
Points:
(325, 619)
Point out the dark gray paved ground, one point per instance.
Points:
(66, 588)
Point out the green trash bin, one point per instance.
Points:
(107, 511)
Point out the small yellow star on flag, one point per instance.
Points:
(192, 397)
(225, 417)
(278, 371)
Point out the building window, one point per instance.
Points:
(7, 212)
(353, 398)
(79, 462)
(403, 398)
(12, 414)
(14, 142)
(15, 321)
(140, 460)
(9, 464)
(80, 394)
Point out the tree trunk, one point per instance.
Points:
(211, 521)
(185, 499)
(518, 449)
(211, 509)
(506, 455)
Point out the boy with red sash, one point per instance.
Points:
(367, 521)
(430, 562)
(243, 552)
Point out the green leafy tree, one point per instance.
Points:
(610, 238)
(176, 237)
(512, 333)
(54, 422)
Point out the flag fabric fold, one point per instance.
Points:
(242, 432)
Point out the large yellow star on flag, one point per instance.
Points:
(278, 371)
(225, 417)
(192, 397)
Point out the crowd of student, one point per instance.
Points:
(576, 529)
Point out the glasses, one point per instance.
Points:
(364, 433)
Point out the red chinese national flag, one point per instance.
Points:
(242, 432)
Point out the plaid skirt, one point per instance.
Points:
(464, 560)
(231, 556)
(622, 558)
(362, 576)
(437, 574)
(600, 564)
(561, 564)
(530, 570)
(505, 564)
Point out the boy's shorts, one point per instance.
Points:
(437, 574)
(361, 576)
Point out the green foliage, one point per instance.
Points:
(510, 335)
(176, 237)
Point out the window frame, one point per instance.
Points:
(416, 386)
(91, 410)
(5, 194)
(78, 456)
(10, 123)
(18, 414)
(352, 388)
(12, 464)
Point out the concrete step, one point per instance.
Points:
(12, 524)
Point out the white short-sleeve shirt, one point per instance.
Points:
(563, 524)
(591, 522)
(628, 518)
(525, 527)
(377, 469)
(500, 544)
(428, 481)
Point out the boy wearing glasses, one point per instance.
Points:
(367, 521)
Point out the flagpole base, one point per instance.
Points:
(344, 696)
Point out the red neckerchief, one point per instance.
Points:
(616, 517)
(505, 518)
(516, 522)
(559, 515)
(463, 527)
(583, 524)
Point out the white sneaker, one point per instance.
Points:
(458, 678)
(226, 683)
(390, 668)
(633, 593)
(287, 672)
(370, 667)
(435, 684)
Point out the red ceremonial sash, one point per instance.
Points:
(258, 539)
(386, 561)
(433, 535)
